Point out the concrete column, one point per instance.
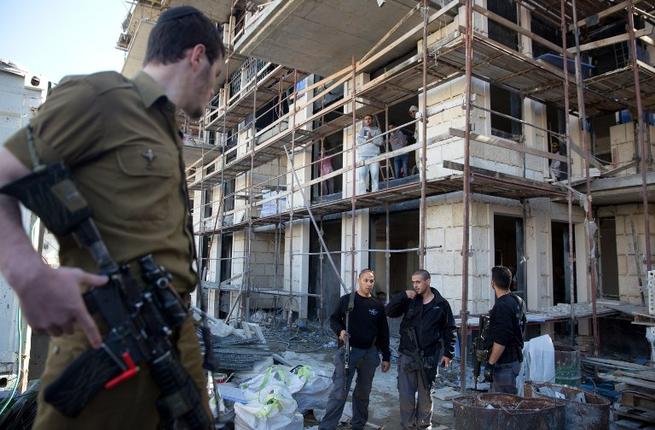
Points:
(362, 227)
(300, 233)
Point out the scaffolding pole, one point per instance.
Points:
(424, 140)
(569, 192)
(353, 197)
(643, 143)
(467, 192)
(291, 156)
(589, 219)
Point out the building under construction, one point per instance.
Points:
(536, 153)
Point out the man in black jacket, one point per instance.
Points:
(507, 322)
(427, 339)
(368, 334)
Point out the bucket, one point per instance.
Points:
(497, 411)
(593, 414)
(567, 365)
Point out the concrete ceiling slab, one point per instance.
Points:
(322, 36)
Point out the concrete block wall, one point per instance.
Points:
(624, 150)
(630, 237)
(622, 143)
(539, 259)
(445, 230)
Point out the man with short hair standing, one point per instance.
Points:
(120, 140)
(507, 323)
(369, 143)
(427, 340)
(368, 334)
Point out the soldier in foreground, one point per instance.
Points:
(120, 140)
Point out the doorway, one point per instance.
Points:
(561, 270)
(608, 258)
(321, 273)
(509, 250)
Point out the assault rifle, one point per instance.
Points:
(480, 347)
(140, 320)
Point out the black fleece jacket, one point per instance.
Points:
(367, 324)
(434, 322)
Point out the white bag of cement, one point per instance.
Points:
(314, 392)
(538, 362)
(272, 408)
(274, 375)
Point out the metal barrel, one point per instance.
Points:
(507, 412)
(593, 414)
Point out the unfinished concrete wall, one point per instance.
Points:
(362, 234)
(296, 270)
(630, 248)
(444, 229)
(624, 147)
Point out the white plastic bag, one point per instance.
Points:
(274, 375)
(538, 362)
(314, 393)
(271, 408)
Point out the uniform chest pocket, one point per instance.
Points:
(148, 175)
(143, 160)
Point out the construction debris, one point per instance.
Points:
(636, 387)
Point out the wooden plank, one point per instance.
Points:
(507, 144)
(631, 381)
(611, 40)
(411, 33)
(594, 19)
(388, 34)
(509, 24)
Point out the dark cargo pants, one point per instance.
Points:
(364, 361)
(505, 377)
(415, 411)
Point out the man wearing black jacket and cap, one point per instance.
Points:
(368, 334)
(427, 339)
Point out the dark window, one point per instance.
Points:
(509, 104)
(498, 32)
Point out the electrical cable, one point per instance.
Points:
(20, 361)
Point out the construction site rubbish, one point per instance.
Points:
(582, 409)
(507, 412)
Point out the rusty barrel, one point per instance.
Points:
(507, 412)
(592, 414)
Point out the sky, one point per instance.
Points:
(53, 39)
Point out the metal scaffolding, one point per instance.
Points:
(466, 52)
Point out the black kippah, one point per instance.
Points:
(177, 13)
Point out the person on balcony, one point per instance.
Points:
(325, 168)
(398, 140)
(369, 143)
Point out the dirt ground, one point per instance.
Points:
(383, 406)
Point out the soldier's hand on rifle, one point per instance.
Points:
(52, 301)
(410, 294)
(385, 366)
(488, 372)
(445, 361)
(343, 335)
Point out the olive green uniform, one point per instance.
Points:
(120, 139)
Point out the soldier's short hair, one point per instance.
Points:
(181, 28)
(367, 270)
(424, 274)
(501, 276)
